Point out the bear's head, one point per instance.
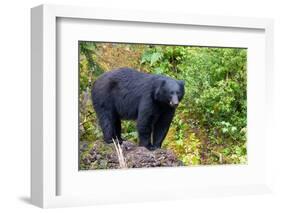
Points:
(169, 91)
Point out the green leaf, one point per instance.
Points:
(158, 70)
(224, 130)
(155, 57)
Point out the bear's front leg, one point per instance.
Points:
(144, 132)
(161, 128)
(144, 127)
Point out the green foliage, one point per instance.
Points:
(215, 99)
(210, 125)
(129, 131)
(89, 71)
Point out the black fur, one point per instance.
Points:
(126, 94)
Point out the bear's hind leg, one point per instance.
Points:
(106, 122)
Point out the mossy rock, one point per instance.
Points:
(99, 155)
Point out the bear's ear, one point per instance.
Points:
(158, 85)
(181, 82)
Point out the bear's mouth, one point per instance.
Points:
(172, 104)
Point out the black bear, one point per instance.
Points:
(128, 94)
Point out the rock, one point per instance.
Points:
(103, 163)
(103, 156)
(83, 146)
(98, 156)
(86, 161)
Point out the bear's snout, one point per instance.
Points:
(174, 101)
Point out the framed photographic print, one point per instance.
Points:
(131, 106)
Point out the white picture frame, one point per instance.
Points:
(44, 150)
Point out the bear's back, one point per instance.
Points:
(123, 89)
